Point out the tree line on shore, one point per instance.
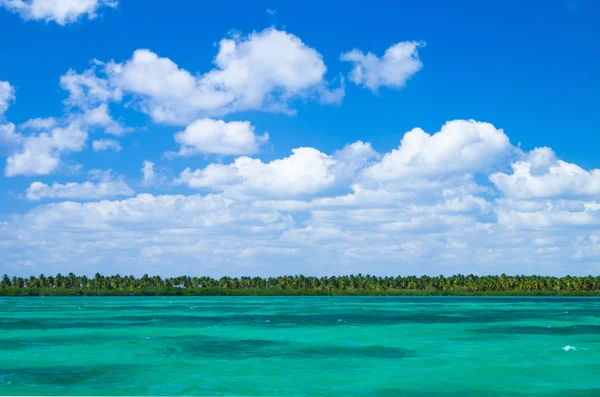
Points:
(368, 284)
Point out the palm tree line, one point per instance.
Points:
(358, 282)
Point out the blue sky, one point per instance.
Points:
(211, 99)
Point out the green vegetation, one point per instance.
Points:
(503, 285)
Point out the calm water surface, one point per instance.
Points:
(300, 346)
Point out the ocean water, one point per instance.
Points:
(300, 346)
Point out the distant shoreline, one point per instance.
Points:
(349, 285)
(172, 291)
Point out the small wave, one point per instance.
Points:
(575, 348)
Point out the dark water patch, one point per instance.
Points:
(576, 393)
(174, 307)
(170, 320)
(59, 340)
(223, 348)
(60, 323)
(65, 376)
(282, 320)
(293, 317)
(292, 313)
(375, 318)
(580, 329)
(592, 340)
(9, 345)
(236, 349)
(327, 351)
(393, 392)
(479, 315)
(115, 321)
(220, 308)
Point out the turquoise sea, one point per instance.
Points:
(300, 346)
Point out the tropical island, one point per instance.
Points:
(457, 285)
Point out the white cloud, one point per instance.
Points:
(167, 235)
(86, 90)
(60, 11)
(149, 176)
(38, 124)
(350, 159)
(262, 71)
(100, 117)
(9, 138)
(399, 63)
(100, 145)
(40, 153)
(210, 136)
(105, 234)
(460, 147)
(79, 191)
(37, 145)
(546, 214)
(414, 210)
(89, 98)
(305, 171)
(7, 95)
(542, 175)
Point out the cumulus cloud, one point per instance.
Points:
(542, 175)
(353, 210)
(399, 63)
(40, 153)
(211, 136)
(460, 147)
(558, 215)
(87, 90)
(89, 98)
(422, 163)
(79, 191)
(37, 146)
(100, 145)
(262, 71)
(60, 11)
(305, 171)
